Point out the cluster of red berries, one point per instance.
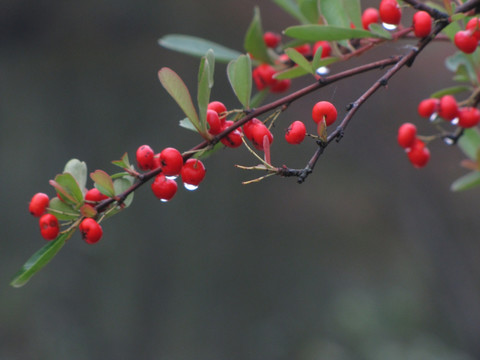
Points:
(447, 108)
(217, 123)
(390, 13)
(49, 226)
(467, 40)
(170, 160)
(416, 150)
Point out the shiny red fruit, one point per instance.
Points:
(324, 109)
(465, 41)
(427, 107)
(171, 160)
(233, 139)
(418, 154)
(38, 204)
(49, 227)
(390, 12)
(326, 48)
(296, 133)
(407, 134)
(91, 230)
(473, 26)
(217, 106)
(193, 172)
(164, 188)
(271, 39)
(422, 24)
(258, 133)
(448, 108)
(94, 195)
(145, 157)
(468, 117)
(370, 16)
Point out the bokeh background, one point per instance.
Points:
(369, 259)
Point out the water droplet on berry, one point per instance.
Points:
(454, 121)
(433, 117)
(389, 26)
(164, 200)
(448, 141)
(173, 177)
(322, 70)
(190, 187)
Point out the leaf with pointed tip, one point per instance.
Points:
(187, 124)
(179, 92)
(78, 169)
(290, 7)
(254, 43)
(468, 181)
(300, 60)
(124, 162)
(68, 188)
(205, 84)
(450, 91)
(326, 32)
(380, 31)
(38, 260)
(62, 210)
(469, 143)
(239, 73)
(121, 185)
(103, 182)
(88, 210)
(196, 46)
(291, 73)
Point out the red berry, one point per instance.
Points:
(91, 230)
(465, 41)
(370, 16)
(233, 139)
(390, 12)
(271, 39)
(280, 86)
(448, 108)
(214, 122)
(258, 133)
(418, 154)
(263, 76)
(192, 173)
(248, 127)
(38, 204)
(217, 106)
(145, 157)
(468, 117)
(296, 132)
(164, 188)
(427, 107)
(324, 109)
(172, 161)
(94, 195)
(326, 48)
(407, 134)
(49, 226)
(304, 49)
(474, 27)
(422, 24)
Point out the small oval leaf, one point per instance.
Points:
(466, 182)
(313, 33)
(103, 182)
(239, 73)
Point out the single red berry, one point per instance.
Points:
(38, 204)
(474, 27)
(305, 49)
(465, 41)
(418, 154)
(422, 24)
(427, 107)
(296, 132)
(271, 39)
(258, 133)
(248, 127)
(94, 195)
(218, 107)
(324, 109)
(280, 86)
(448, 108)
(192, 173)
(91, 230)
(145, 157)
(214, 122)
(263, 76)
(233, 139)
(326, 48)
(49, 226)
(171, 160)
(390, 12)
(164, 188)
(468, 117)
(407, 134)
(370, 16)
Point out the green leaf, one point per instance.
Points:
(187, 124)
(380, 31)
(291, 73)
(239, 73)
(451, 29)
(78, 169)
(68, 188)
(62, 210)
(196, 46)
(458, 60)
(179, 92)
(88, 210)
(468, 181)
(450, 91)
(300, 60)
(254, 43)
(290, 7)
(124, 162)
(205, 84)
(258, 98)
(334, 13)
(103, 182)
(121, 185)
(469, 143)
(38, 260)
(309, 10)
(354, 12)
(313, 33)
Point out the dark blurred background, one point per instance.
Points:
(369, 259)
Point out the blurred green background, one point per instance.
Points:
(369, 259)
